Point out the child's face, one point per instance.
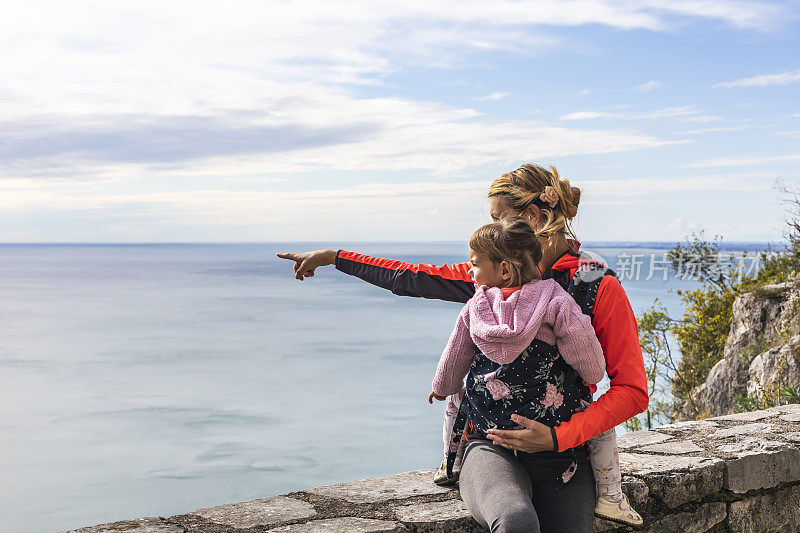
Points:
(484, 271)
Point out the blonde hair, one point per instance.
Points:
(522, 187)
(510, 239)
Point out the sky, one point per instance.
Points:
(326, 121)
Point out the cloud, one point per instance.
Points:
(700, 119)
(743, 161)
(764, 80)
(720, 129)
(650, 186)
(752, 15)
(148, 139)
(100, 98)
(304, 132)
(681, 224)
(667, 112)
(587, 115)
(392, 203)
(687, 114)
(493, 97)
(649, 86)
(258, 88)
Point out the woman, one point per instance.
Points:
(496, 492)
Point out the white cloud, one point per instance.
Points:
(700, 119)
(667, 112)
(755, 15)
(743, 161)
(254, 66)
(720, 129)
(681, 224)
(351, 213)
(764, 80)
(649, 186)
(684, 113)
(98, 72)
(493, 97)
(586, 115)
(648, 86)
(789, 134)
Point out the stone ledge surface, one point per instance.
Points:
(738, 473)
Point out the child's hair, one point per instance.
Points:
(510, 239)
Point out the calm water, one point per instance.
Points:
(141, 380)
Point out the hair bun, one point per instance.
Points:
(571, 197)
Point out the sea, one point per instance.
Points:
(155, 379)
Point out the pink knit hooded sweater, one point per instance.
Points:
(503, 328)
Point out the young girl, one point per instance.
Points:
(519, 340)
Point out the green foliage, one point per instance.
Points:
(789, 394)
(633, 424)
(701, 335)
(782, 395)
(747, 403)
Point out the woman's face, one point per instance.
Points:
(484, 271)
(498, 208)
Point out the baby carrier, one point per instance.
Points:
(538, 384)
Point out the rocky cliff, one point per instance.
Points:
(761, 354)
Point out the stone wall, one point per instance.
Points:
(734, 473)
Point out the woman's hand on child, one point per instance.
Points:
(532, 436)
(433, 395)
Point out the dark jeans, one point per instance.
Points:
(510, 493)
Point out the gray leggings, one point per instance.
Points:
(509, 493)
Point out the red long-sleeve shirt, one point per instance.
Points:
(613, 321)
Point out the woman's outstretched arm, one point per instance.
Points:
(449, 282)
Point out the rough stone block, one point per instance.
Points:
(397, 487)
(261, 512)
(793, 436)
(691, 425)
(746, 429)
(777, 511)
(344, 525)
(640, 438)
(675, 480)
(756, 463)
(636, 490)
(601, 526)
(790, 408)
(750, 416)
(438, 517)
(150, 524)
(699, 521)
(791, 417)
(673, 448)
